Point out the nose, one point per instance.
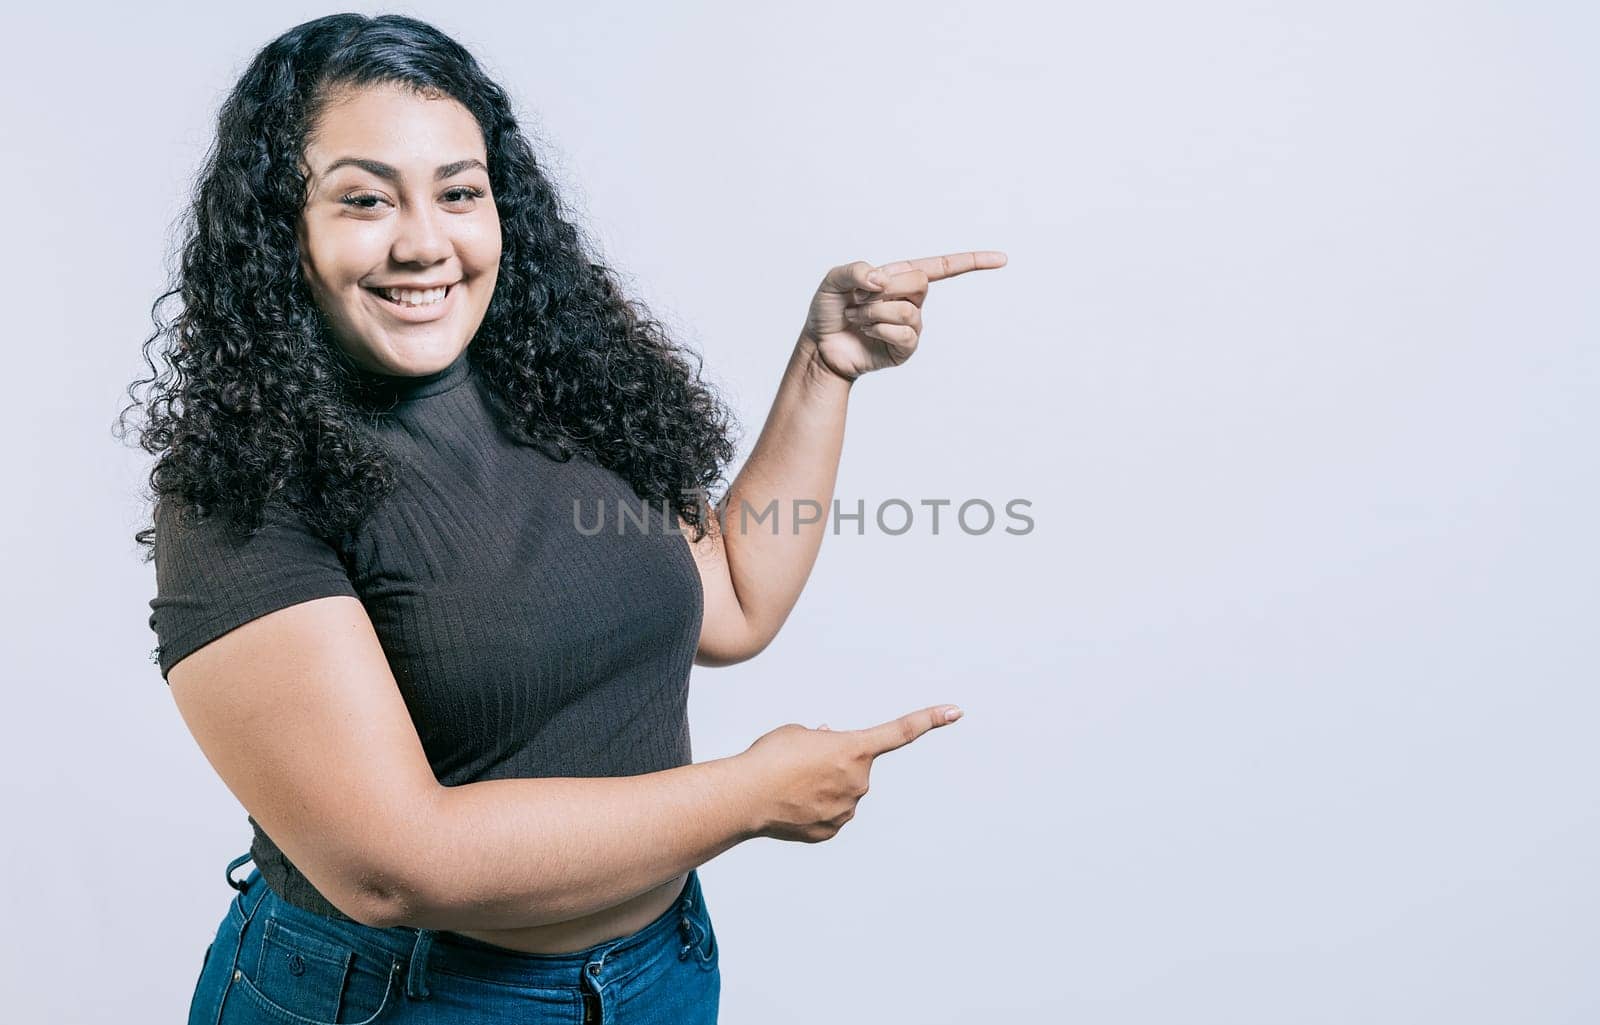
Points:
(421, 237)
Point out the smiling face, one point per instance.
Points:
(398, 197)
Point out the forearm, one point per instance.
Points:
(513, 853)
(777, 509)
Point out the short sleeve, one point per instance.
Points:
(211, 578)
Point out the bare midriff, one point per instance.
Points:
(611, 923)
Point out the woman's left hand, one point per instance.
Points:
(864, 318)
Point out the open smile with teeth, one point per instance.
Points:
(410, 297)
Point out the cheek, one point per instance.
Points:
(340, 254)
(480, 243)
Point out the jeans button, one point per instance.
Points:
(594, 969)
(297, 965)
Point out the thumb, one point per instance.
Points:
(848, 277)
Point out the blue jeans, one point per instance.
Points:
(273, 962)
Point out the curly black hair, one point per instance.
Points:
(255, 405)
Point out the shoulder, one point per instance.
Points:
(213, 574)
(180, 530)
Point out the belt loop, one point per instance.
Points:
(237, 884)
(417, 970)
(246, 914)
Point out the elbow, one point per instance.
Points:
(381, 902)
(715, 654)
(714, 659)
(398, 883)
(381, 898)
(371, 913)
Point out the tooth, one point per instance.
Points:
(414, 297)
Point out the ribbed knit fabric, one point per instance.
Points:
(524, 643)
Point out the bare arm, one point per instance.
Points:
(301, 717)
(761, 546)
(507, 853)
(773, 516)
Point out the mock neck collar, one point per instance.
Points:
(384, 390)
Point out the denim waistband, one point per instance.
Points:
(419, 950)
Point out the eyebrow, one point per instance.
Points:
(388, 173)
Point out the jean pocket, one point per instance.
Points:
(301, 978)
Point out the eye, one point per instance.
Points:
(361, 202)
(368, 201)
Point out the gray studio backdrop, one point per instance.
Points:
(1283, 711)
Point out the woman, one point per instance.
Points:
(452, 707)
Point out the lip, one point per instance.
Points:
(418, 314)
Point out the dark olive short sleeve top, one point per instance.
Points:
(540, 619)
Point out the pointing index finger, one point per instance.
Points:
(949, 265)
(899, 732)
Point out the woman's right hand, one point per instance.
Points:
(810, 780)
